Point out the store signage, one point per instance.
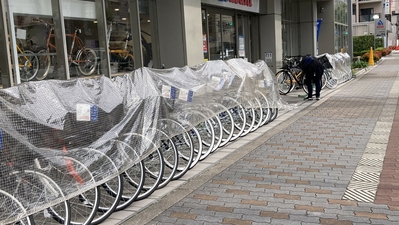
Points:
(380, 27)
(244, 5)
(241, 2)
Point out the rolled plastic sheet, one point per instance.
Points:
(67, 137)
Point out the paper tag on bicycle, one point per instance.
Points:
(168, 92)
(94, 113)
(186, 95)
(216, 83)
(82, 112)
(21, 34)
(262, 83)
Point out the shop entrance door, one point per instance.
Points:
(221, 36)
(229, 35)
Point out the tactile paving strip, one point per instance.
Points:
(364, 182)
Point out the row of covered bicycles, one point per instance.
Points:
(75, 151)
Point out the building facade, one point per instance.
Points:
(64, 39)
(366, 13)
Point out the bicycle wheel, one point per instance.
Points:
(133, 182)
(110, 195)
(153, 173)
(250, 118)
(42, 188)
(29, 65)
(45, 63)
(129, 62)
(258, 114)
(227, 121)
(218, 133)
(284, 82)
(330, 81)
(183, 142)
(323, 81)
(206, 134)
(170, 158)
(266, 110)
(11, 208)
(87, 61)
(239, 116)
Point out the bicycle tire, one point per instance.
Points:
(153, 173)
(274, 113)
(30, 66)
(133, 182)
(265, 107)
(50, 215)
(170, 158)
(258, 114)
(250, 118)
(331, 82)
(218, 131)
(196, 141)
(129, 62)
(284, 82)
(239, 116)
(85, 205)
(206, 133)
(45, 63)
(227, 122)
(183, 143)
(87, 61)
(12, 208)
(109, 200)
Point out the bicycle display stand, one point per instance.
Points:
(98, 145)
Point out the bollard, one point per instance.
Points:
(371, 57)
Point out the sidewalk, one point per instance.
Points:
(331, 161)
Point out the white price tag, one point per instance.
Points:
(186, 95)
(82, 112)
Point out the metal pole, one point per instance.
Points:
(136, 33)
(5, 63)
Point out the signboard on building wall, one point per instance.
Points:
(244, 5)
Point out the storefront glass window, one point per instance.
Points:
(222, 36)
(229, 37)
(119, 37)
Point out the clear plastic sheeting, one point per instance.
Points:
(59, 139)
(341, 66)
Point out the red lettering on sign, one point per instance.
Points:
(242, 2)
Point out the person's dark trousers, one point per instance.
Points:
(316, 79)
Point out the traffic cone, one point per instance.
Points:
(371, 57)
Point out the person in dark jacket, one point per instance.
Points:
(313, 70)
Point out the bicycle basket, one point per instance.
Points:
(325, 62)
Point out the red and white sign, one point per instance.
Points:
(244, 5)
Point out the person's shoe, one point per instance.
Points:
(308, 98)
(317, 98)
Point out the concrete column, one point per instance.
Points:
(271, 35)
(307, 27)
(180, 26)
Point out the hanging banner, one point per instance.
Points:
(317, 35)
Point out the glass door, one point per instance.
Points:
(220, 43)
